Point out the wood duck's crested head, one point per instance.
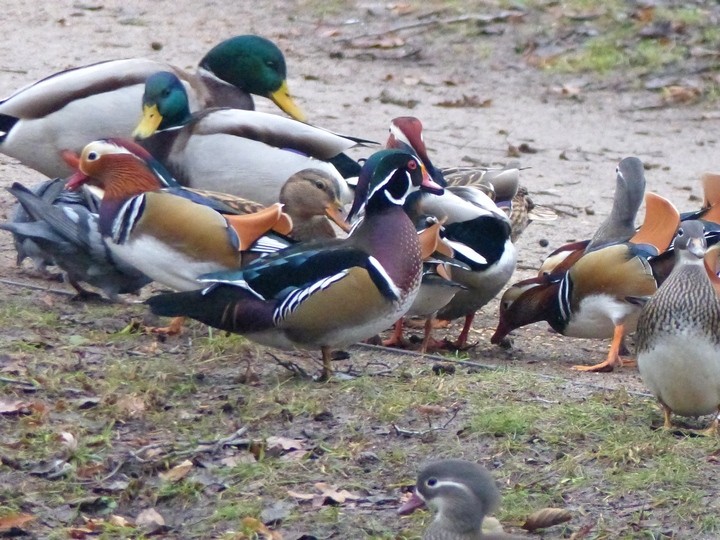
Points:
(526, 302)
(121, 167)
(406, 134)
(461, 493)
(256, 65)
(387, 178)
(165, 104)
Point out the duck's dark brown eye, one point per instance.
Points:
(680, 233)
(431, 482)
(319, 185)
(412, 165)
(92, 156)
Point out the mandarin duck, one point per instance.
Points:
(169, 238)
(678, 334)
(474, 227)
(69, 109)
(64, 230)
(327, 293)
(461, 494)
(618, 226)
(593, 299)
(246, 153)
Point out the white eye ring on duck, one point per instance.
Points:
(680, 233)
(431, 482)
(92, 156)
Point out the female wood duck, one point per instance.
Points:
(619, 226)
(169, 238)
(477, 230)
(63, 228)
(246, 153)
(678, 335)
(67, 110)
(328, 293)
(593, 298)
(461, 494)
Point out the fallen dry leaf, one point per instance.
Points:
(14, 406)
(132, 406)
(149, 516)
(680, 94)
(14, 521)
(432, 410)
(68, 440)
(547, 517)
(337, 496)
(119, 521)
(259, 528)
(382, 42)
(301, 496)
(178, 472)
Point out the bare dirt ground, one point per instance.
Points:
(138, 406)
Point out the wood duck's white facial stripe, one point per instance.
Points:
(564, 294)
(401, 200)
(293, 300)
(127, 217)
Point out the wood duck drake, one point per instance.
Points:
(461, 494)
(593, 298)
(618, 226)
(170, 238)
(62, 229)
(476, 229)
(245, 153)
(329, 293)
(69, 109)
(678, 335)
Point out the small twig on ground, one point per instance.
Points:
(481, 19)
(421, 433)
(21, 383)
(292, 367)
(35, 287)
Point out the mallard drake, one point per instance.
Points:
(328, 293)
(461, 494)
(169, 238)
(69, 109)
(476, 229)
(593, 298)
(678, 335)
(64, 230)
(246, 153)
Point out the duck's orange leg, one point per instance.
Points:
(462, 338)
(613, 359)
(396, 339)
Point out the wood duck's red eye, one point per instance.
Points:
(412, 165)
